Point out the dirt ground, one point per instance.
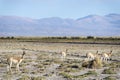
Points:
(43, 61)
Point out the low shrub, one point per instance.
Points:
(109, 78)
(109, 71)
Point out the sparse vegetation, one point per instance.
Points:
(69, 67)
(68, 76)
(96, 63)
(115, 65)
(2, 65)
(109, 71)
(91, 73)
(88, 39)
(42, 61)
(109, 78)
(25, 77)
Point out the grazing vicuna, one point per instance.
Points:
(63, 54)
(15, 60)
(107, 56)
(91, 55)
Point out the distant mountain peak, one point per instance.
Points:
(90, 16)
(93, 25)
(112, 14)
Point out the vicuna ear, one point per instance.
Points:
(97, 51)
(66, 50)
(111, 52)
(24, 52)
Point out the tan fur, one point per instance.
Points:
(91, 55)
(99, 56)
(14, 60)
(106, 56)
(63, 54)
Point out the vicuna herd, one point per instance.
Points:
(102, 56)
(91, 56)
(92, 59)
(95, 60)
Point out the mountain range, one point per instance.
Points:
(91, 25)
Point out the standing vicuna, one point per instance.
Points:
(64, 54)
(15, 60)
(91, 55)
(107, 56)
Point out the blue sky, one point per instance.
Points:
(58, 8)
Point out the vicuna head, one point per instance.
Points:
(23, 54)
(110, 54)
(97, 52)
(66, 50)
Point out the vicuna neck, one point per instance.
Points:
(23, 55)
(66, 50)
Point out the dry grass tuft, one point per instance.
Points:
(85, 64)
(109, 71)
(96, 63)
(109, 78)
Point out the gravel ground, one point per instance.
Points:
(43, 60)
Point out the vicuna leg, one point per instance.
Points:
(17, 67)
(10, 66)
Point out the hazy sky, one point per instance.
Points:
(58, 8)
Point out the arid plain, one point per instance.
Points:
(43, 61)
